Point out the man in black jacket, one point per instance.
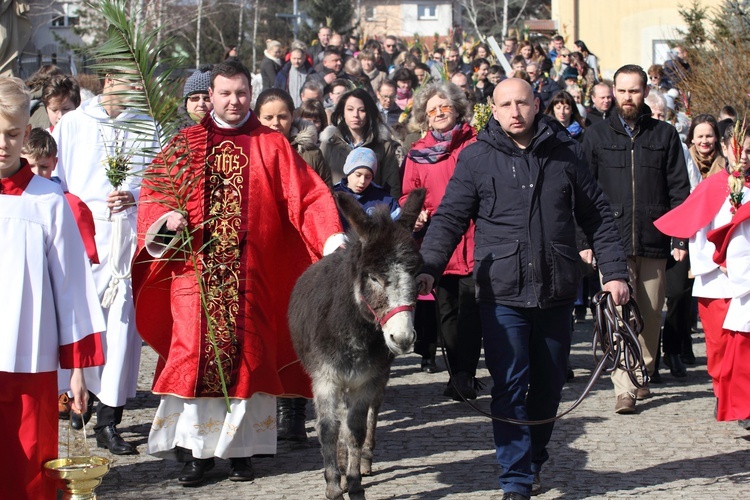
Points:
(525, 183)
(601, 99)
(639, 164)
(543, 86)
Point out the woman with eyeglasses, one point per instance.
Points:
(356, 122)
(441, 110)
(196, 102)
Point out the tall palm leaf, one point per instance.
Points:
(134, 55)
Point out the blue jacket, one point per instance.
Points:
(525, 204)
(371, 197)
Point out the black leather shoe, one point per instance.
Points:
(676, 368)
(512, 495)
(241, 469)
(192, 473)
(655, 378)
(78, 421)
(108, 438)
(429, 365)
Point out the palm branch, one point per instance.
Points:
(135, 55)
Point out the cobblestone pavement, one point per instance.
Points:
(429, 447)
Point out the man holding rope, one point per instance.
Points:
(525, 184)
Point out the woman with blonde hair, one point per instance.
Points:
(272, 63)
(442, 110)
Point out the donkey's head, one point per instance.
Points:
(384, 262)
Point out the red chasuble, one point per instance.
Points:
(258, 217)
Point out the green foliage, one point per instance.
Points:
(718, 59)
(695, 18)
(336, 14)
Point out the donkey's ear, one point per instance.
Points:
(353, 213)
(412, 207)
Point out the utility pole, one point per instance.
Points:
(294, 16)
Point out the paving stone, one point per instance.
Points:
(429, 447)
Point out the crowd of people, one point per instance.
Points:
(544, 185)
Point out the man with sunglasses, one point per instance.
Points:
(391, 51)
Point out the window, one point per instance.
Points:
(426, 12)
(68, 18)
(370, 13)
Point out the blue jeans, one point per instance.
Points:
(526, 351)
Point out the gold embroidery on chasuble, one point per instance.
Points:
(226, 167)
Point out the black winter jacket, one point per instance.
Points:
(643, 177)
(525, 204)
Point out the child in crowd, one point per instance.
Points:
(51, 311)
(60, 95)
(359, 169)
(495, 74)
(40, 152)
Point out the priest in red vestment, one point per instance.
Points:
(226, 226)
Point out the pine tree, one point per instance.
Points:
(336, 14)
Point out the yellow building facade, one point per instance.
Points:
(623, 32)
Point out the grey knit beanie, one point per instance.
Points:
(199, 81)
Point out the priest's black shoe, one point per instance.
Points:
(512, 495)
(194, 470)
(107, 437)
(241, 469)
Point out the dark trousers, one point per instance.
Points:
(425, 323)
(459, 322)
(107, 415)
(676, 332)
(526, 351)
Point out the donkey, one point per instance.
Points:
(350, 314)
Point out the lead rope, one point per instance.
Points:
(615, 334)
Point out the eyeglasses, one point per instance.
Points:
(387, 96)
(198, 98)
(444, 109)
(389, 46)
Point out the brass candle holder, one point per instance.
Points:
(78, 476)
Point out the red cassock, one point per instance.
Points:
(258, 217)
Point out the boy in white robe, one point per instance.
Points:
(48, 305)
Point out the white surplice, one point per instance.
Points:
(48, 298)
(85, 137)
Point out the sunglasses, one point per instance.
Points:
(564, 55)
(444, 109)
(198, 98)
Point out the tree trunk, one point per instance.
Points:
(198, 36)
(255, 31)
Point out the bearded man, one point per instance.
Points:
(640, 166)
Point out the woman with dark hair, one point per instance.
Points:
(562, 107)
(442, 111)
(703, 143)
(356, 122)
(482, 86)
(587, 77)
(313, 111)
(275, 109)
(481, 51)
(526, 50)
(406, 82)
(591, 60)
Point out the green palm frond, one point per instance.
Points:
(135, 57)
